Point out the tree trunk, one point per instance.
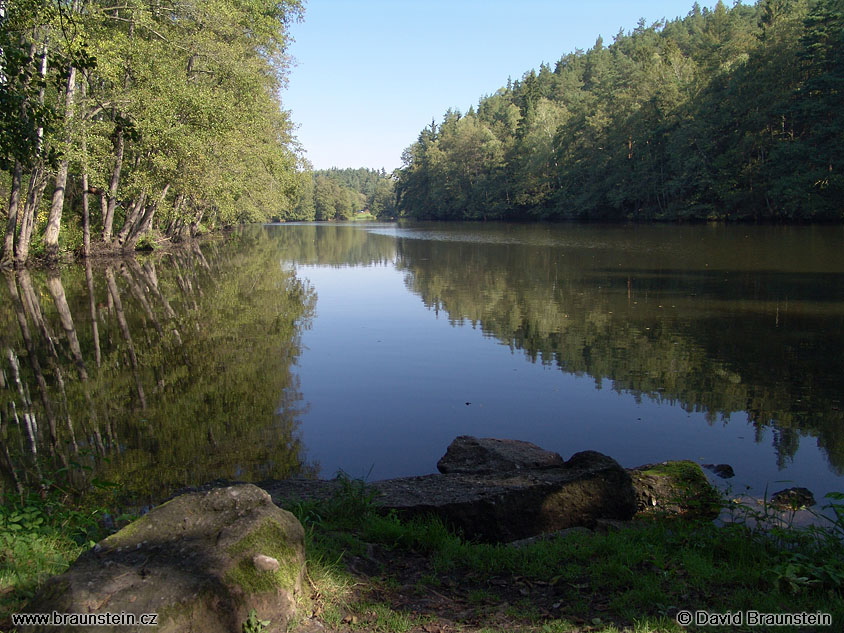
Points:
(8, 254)
(108, 217)
(145, 222)
(131, 218)
(86, 213)
(86, 210)
(37, 183)
(7, 257)
(173, 221)
(54, 221)
(194, 226)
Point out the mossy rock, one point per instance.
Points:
(678, 488)
(192, 562)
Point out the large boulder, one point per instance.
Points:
(201, 561)
(500, 504)
(497, 491)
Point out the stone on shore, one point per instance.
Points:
(200, 561)
(793, 499)
(502, 490)
(498, 490)
(675, 488)
(487, 455)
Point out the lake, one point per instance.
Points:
(307, 349)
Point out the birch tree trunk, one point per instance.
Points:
(8, 254)
(111, 204)
(37, 182)
(131, 217)
(54, 221)
(144, 224)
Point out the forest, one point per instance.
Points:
(732, 114)
(339, 194)
(118, 119)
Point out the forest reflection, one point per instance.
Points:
(740, 337)
(178, 368)
(156, 373)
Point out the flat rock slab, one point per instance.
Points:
(500, 507)
(506, 490)
(200, 562)
(515, 505)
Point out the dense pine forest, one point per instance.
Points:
(727, 114)
(122, 118)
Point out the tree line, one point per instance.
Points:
(122, 118)
(726, 114)
(339, 194)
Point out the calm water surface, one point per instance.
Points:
(308, 349)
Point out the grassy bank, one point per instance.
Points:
(376, 572)
(373, 572)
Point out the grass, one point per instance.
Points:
(39, 537)
(635, 579)
(369, 571)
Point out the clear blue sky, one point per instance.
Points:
(370, 74)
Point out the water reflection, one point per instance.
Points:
(184, 367)
(153, 374)
(716, 321)
(334, 244)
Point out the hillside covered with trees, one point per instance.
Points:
(338, 194)
(727, 114)
(121, 117)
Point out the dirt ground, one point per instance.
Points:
(454, 602)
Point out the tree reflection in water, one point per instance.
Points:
(155, 373)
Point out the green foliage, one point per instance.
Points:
(40, 535)
(253, 624)
(147, 242)
(344, 194)
(727, 114)
(173, 117)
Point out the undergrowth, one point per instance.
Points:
(40, 535)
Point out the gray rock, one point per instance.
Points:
(724, 471)
(517, 504)
(675, 488)
(506, 490)
(191, 561)
(793, 499)
(483, 455)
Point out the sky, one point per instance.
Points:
(368, 75)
